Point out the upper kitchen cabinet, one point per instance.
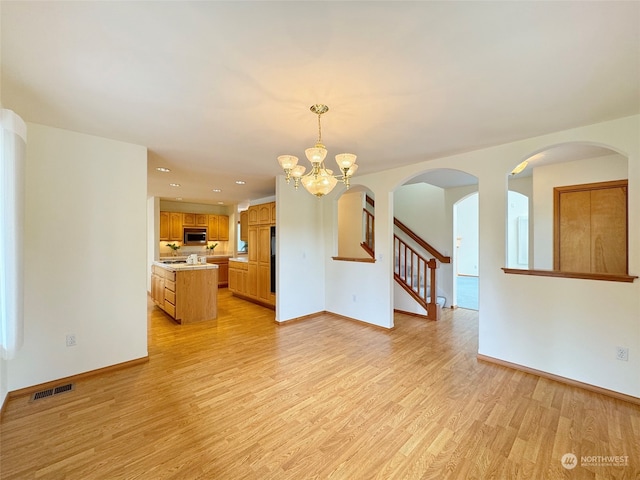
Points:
(175, 226)
(252, 216)
(223, 227)
(202, 219)
(244, 224)
(212, 229)
(189, 219)
(264, 214)
(173, 223)
(164, 226)
(218, 228)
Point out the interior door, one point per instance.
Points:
(591, 228)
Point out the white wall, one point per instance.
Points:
(350, 225)
(545, 178)
(363, 291)
(566, 327)
(300, 277)
(153, 233)
(85, 255)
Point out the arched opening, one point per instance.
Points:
(466, 252)
(356, 215)
(577, 213)
(425, 204)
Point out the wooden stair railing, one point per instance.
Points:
(417, 276)
(411, 234)
(368, 223)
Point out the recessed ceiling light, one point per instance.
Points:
(174, 184)
(162, 169)
(178, 198)
(240, 182)
(217, 190)
(220, 203)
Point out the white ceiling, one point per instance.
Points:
(217, 90)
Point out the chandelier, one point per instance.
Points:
(320, 180)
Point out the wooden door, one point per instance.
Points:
(590, 228)
(273, 213)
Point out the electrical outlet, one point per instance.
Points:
(622, 353)
(71, 340)
(354, 297)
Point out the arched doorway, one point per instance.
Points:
(465, 258)
(425, 204)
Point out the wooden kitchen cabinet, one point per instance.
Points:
(244, 225)
(202, 220)
(252, 215)
(259, 220)
(164, 226)
(252, 280)
(264, 214)
(187, 295)
(223, 270)
(223, 228)
(218, 228)
(252, 239)
(175, 226)
(212, 230)
(188, 219)
(238, 278)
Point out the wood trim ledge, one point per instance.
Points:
(587, 276)
(558, 378)
(354, 259)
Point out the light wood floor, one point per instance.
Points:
(243, 398)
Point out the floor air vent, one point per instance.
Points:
(50, 392)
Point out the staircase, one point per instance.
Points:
(415, 273)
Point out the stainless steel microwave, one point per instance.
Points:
(195, 236)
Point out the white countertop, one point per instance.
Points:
(239, 259)
(174, 267)
(184, 257)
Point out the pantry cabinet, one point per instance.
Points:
(260, 220)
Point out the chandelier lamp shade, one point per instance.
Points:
(320, 180)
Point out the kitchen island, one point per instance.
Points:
(186, 292)
(220, 259)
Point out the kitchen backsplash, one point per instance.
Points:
(221, 249)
